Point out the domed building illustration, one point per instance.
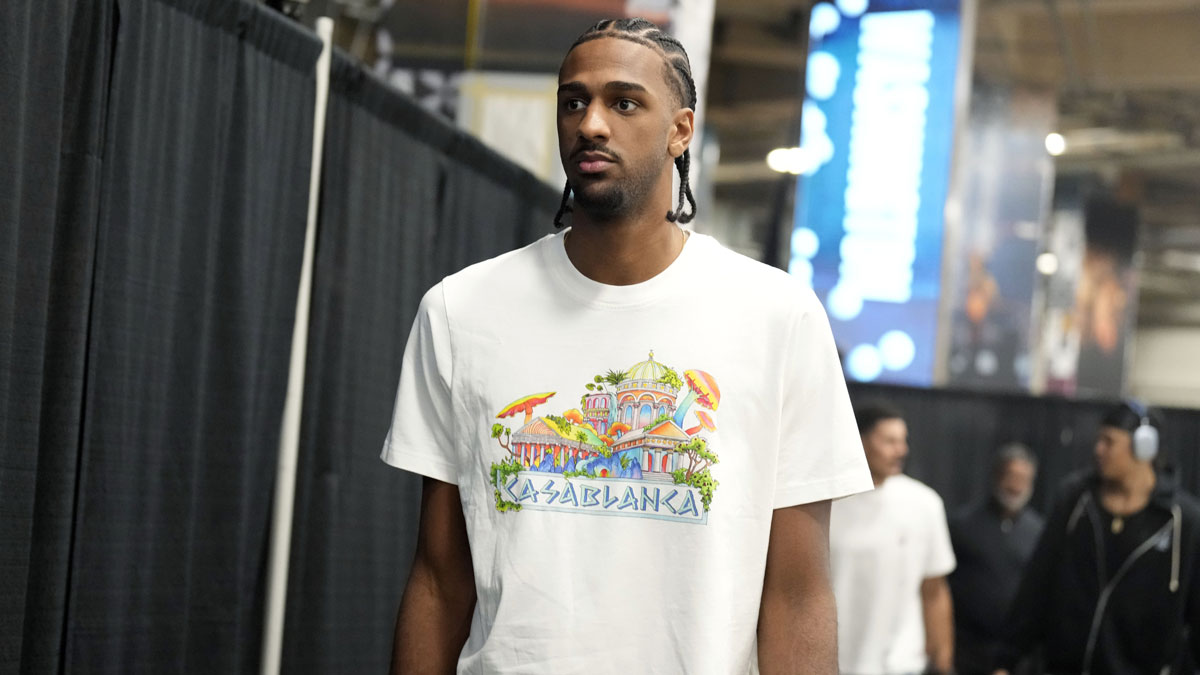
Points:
(641, 398)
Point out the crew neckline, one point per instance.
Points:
(672, 280)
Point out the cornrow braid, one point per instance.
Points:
(678, 71)
(564, 208)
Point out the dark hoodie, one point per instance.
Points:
(1103, 603)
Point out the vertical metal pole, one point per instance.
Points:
(289, 440)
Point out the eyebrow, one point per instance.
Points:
(576, 87)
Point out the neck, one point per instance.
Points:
(1138, 483)
(879, 479)
(624, 252)
(630, 249)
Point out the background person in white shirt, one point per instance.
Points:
(890, 553)
(582, 515)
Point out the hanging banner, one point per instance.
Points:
(1091, 300)
(876, 140)
(992, 278)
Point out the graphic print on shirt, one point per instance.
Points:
(634, 447)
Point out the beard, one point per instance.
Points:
(606, 201)
(603, 204)
(1011, 503)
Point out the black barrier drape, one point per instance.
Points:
(405, 200)
(954, 434)
(54, 75)
(198, 253)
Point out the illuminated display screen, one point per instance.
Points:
(874, 164)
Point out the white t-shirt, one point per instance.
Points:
(620, 525)
(882, 545)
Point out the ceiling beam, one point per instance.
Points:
(1098, 6)
(1174, 160)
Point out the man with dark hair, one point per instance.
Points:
(993, 541)
(1114, 583)
(890, 554)
(584, 515)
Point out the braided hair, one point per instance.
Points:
(679, 76)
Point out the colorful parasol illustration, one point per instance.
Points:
(525, 404)
(702, 389)
(706, 423)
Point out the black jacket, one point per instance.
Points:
(1097, 613)
(992, 553)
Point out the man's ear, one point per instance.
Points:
(682, 129)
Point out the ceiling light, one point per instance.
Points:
(1056, 144)
(1047, 263)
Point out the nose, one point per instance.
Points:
(593, 126)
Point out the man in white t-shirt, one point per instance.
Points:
(890, 553)
(630, 436)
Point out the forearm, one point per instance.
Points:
(938, 611)
(798, 635)
(433, 623)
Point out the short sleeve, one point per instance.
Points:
(820, 453)
(940, 560)
(421, 438)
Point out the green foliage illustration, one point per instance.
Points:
(500, 473)
(671, 379)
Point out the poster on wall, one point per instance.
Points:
(1091, 301)
(877, 131)
(992, 275)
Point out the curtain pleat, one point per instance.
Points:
(54, 68)
(198, 254)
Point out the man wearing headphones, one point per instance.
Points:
(1114, 584)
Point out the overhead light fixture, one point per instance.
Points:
(796, 161)
(1047, 263)
(786, 160)
(1056, 144)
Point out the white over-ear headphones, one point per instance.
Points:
(1145, 437)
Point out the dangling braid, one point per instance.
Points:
(564, 208)
(678, 74)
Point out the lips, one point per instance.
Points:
(594, 166)
(593, 162)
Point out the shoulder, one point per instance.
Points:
(915, 489)
(490, 286)
(1189, 506)
(754, 279)
(917, 498)
(1074, 485)
(509, 266)
(966, 516)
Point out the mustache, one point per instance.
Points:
(594, 147)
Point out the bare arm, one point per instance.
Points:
(435, 613)
(797, 623)
(938, 609)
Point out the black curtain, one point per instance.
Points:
(205, 188)
(406, 199)
(954, 434)
(54, 63)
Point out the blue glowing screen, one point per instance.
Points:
(874, 165)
